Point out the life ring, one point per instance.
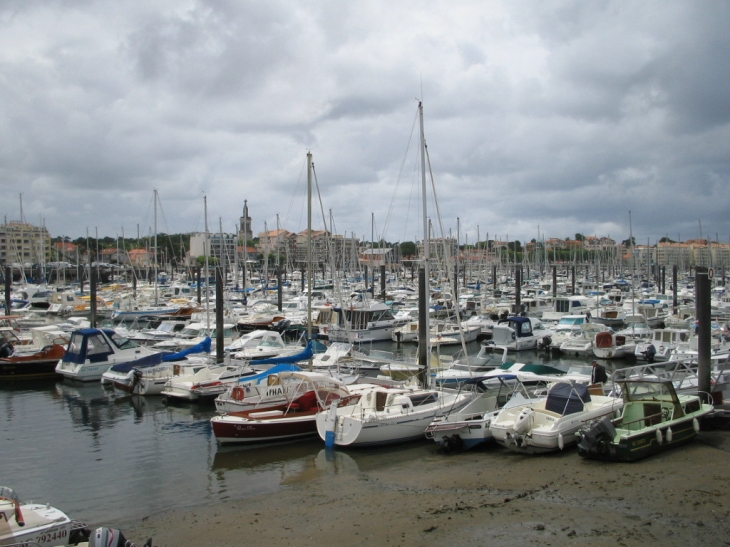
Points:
(238, 393)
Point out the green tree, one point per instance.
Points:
(408, 248)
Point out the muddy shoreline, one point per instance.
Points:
(489, 496)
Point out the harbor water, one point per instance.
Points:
(107, 458)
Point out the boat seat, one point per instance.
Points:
(306, 402)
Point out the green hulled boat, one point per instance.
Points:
(654, 418)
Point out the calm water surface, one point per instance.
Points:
(110, 459)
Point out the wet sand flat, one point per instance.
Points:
(486, 497)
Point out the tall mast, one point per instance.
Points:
(207, 272)
(633, 264)
(155, 253)
(278, 240)
(423, 274)
(310, 284)
(222, 263)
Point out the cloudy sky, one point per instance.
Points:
(546, 118)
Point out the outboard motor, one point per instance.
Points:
(544, 342)
(595, 438)
(111, 537)
(523, 421)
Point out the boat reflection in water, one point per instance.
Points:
(90, 406)
(74, 444)
(266, 468)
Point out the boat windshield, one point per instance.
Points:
(648, 391)
(123, 342)
(570, 321)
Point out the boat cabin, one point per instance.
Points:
(567, 305)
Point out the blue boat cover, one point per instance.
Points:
(307, 353)
(144, 362)
(254, 380)
(567, 398)
(202, 347)
(161, 357)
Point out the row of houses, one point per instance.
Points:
(693, 252)
(25, 244)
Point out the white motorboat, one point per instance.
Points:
(164, 331)
(406, 333)
(608, 345)
(566, 328)
(333, 357)
(209, 381)
(469, 427)
(611, 315)
(91, 352)
(195, 333)
(36, 524)
(364, 322)
(520, 333)
(387, 415)
(258, 344)
(664, 341)
(568, 305)
(470, 367)
(583, 343)
(150, 379)
(551, 423)
(484, 322)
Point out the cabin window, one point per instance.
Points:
(75, 344)
(97, 345)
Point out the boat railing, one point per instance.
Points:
(682, 373)
(652, 419)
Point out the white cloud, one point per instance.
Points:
(563, 115)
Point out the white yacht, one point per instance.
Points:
(365, 323)
(519, 333)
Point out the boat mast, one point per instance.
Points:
(309, 247)
(423, 273)
(207, 271)
(633, 267)
(155, 254)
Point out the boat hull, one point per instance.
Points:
(642, 445)
(13, 369)
(229, 429)
(398, 425)
(462, 433)
(44, 526)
